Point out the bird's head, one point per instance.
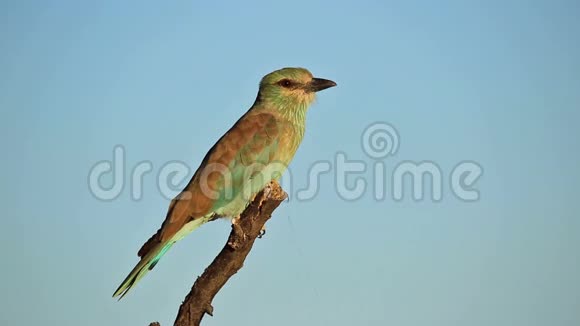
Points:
(290, 88)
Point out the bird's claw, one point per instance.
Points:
(262, 233)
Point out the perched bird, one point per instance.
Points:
(255, 151)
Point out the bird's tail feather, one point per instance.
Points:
(153, 256)
(142, 268)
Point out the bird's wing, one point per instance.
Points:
(253, 139)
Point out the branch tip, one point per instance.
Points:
(209, 309)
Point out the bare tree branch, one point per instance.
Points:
(231, 258)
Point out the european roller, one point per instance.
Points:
(255, 151)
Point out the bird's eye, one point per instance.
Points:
(285, 83)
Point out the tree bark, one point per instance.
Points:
(230, 260)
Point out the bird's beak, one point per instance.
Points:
(318, 84)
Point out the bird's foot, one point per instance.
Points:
(262, 232)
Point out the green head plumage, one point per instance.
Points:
(291, 88)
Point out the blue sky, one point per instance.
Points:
(492, 82)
